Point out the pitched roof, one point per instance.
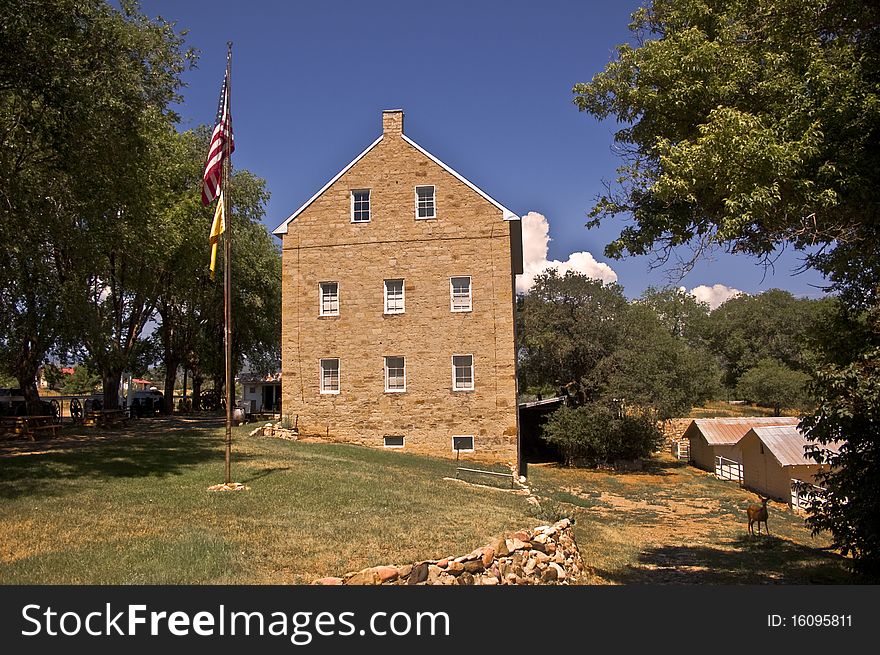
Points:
(506, 214)
(728, 431)
(788, 445)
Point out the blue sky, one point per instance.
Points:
(486, 87)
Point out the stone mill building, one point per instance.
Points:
(398, 307)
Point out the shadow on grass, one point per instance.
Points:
(40, 475)
(262, 473)
(752, 560)
(652, 467)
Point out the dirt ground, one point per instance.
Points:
(677, 524)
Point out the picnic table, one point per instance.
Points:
(30, 426)
(106, 418)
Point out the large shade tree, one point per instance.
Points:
(747, 124)
(190, 304)
(584, 336)
(83, 87)
(753, 125)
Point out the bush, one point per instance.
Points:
(598, 435)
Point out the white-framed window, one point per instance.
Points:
(395, 374)
(360, 206)
(394, 297)
(426, 207)
(329, 298)
(394, 441)
(462, 372)
(460, 296)
(330, 375)
(463, 443)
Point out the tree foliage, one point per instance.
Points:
(82, 380)
(99, 209)
(683, 316)
(849, 412)
(594, 434)
(654, 369)
(83, 88)
(770, 325)
(748, 124)
(583, 335)
(189, 304)
(772, 383)
(570, 326)
(753, 125)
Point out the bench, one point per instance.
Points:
(484, 472)
(30, 426)
(106, 418)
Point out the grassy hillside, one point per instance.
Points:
(133, 508)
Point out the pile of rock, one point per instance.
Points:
(275, 430)
(547, 554)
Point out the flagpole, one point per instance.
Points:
(227, 276)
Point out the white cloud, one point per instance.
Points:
(715, 295)
(536, 239)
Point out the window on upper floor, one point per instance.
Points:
(462, 372)
(329, 300)
(360, 206)
(330, 375)
(395, 374)
(425, 205)
(394, 297)
(460, 296)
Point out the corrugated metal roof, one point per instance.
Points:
(788, 445)
(728, 431)
(557, 400)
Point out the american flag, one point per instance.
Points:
(217, 151)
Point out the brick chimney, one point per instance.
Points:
(392, 122)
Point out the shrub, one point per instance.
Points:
(598, 435)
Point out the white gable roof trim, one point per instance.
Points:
(282, 229)
(507, 215)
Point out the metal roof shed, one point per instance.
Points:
(774, 456)
(710, 438)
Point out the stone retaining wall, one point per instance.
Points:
(547, 554)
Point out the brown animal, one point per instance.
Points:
(757, 514)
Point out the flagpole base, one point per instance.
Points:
(229, 486)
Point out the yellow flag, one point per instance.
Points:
(217, 228)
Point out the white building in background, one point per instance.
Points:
(261, 394)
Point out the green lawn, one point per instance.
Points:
(135, 509)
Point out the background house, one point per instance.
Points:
(397, 307)
(261, 393)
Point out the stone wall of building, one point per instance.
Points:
(673, 430)
(468, 238)
(547, 554)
